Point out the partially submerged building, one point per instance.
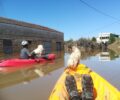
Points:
(12, 32)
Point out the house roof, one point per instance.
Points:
(26, 24)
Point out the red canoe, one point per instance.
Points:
(20, 62)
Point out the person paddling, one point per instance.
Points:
(25, 54)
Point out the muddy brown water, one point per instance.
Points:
(35, 82)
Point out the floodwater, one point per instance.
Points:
(35, 82)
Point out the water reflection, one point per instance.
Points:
(107, 55)
(25, 74)
(88, 53)
(103, 55)
(37, 81)
(8, 56)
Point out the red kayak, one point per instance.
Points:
(20, 62)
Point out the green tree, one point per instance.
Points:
(93, 39)
(111, 39)
(69, 42)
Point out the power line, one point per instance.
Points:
(103, 13)
(99, 11)
(105, 26)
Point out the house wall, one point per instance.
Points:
(15, 31)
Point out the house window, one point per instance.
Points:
(47, 47)
(7, 46)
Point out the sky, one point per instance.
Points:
(76, 19)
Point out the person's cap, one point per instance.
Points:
(24, 42)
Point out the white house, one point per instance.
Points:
(103, 37)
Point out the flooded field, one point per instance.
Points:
(35, 82)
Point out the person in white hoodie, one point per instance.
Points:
(74, 58)
(70, 81)
(37, 52)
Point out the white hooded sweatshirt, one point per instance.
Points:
(39, 50)
(74, 57)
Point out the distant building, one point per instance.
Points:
(104, 37)
(12, 32)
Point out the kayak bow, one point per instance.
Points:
(103, 90)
